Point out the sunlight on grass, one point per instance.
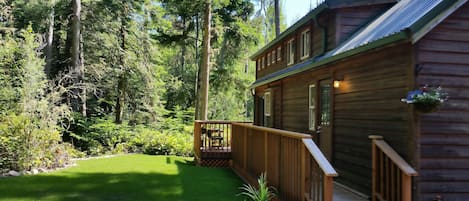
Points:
(126, 178)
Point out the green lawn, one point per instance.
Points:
(126, 178)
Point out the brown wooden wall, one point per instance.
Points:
(350, 19)
(368, 103)
(444, 136)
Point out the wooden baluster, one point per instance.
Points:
(406, 187)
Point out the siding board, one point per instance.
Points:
(444, 135)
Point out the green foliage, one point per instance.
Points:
(29, 135)
(96, 136)
(126, 178)
(263, 193)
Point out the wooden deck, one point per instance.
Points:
(343, 194)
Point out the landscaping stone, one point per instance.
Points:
(35, 171)
(13, 173)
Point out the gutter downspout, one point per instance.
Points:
(324, 34)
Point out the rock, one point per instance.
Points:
(35, 171)
(42, 170)
(13, 173)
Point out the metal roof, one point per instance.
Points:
(400, 22)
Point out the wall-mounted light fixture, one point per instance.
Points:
(253, 91)
(338, 81)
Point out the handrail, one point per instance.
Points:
(276, 131)
(393, 155)
(320, 159)
(391, 174)
(220, 121)
(293, 162)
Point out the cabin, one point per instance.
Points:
(328, 109)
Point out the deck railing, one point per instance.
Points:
(391, 175)
(212, 139)
(293, 163)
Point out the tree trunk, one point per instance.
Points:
(122, 80)
(202, 93)
(277, 17)
(49, 47)
(79, 99)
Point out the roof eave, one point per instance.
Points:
(399, 36)
(313, 13)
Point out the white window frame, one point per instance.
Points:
(274, 55)
(291, 52)
(267, 104)
(279, 53)
(263, 63)
(305, 44)
(312, 93)
(268, 59)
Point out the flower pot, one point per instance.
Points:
(427, 107)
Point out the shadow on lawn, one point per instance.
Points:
(192, 183)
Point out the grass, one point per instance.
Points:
(126, 178)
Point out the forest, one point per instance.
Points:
(90, 77)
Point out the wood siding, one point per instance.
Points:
(350, 19)
(444, 135)
(367, 103)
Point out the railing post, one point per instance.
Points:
(302, 170)
(197, 133)
(328, 188)
(266, 137)
(406, 187)
(245, 148)
(373, 165)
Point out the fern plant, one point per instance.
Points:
(263, 193)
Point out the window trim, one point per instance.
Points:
(267, 104)
(290, 52)
(305, 48)
(279, 53)
(262, 62)
(268, 59)
(274, 56)
(312, 120)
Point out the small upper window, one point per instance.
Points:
(305, 44)
(267, 103)
(291, 52)
(312, 107)
(262, 63)
(274, 54)
(279, 53)
(268, 59)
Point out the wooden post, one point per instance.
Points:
(406, 187)
(373, 165)
(328, 188)
(197, 133)
(266, 153)
(245, 148)
(302, 170)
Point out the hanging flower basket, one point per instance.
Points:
(426, 99)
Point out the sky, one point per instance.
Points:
(295, 9)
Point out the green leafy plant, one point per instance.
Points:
(426, 99)
(263, 193)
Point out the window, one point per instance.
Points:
(267, 104)
(258, 64)
(291, 52)
(279, 53)
(274, 54)
(268, 59)
(312, 107)
(305, 44)
(325, 103)
(262, 63)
